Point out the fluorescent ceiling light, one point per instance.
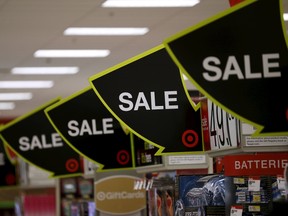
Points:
(285, 16)
(7, 106)
(25, 84)
(150, 3)
(45, 70)
(71, 53)
(105, 31)
(15, 96)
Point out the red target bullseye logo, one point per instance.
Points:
(10, 179)
(190, 138)
(123, 157)
(72, 165)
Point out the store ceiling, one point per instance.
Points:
(29, 25)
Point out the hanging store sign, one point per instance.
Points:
(33, 138)
(255, 165)
(89, 128)
(159, 112)
(241, 69)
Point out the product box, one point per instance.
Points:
(199, 194)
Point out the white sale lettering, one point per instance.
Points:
(232, 68)
(40, 142)
(260, 164)
(90, 127)
(149, 103)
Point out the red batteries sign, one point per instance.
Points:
(255, 165)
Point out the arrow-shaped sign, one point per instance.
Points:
(147, 94)
(33, 138)
(90, 129)
(239, 60)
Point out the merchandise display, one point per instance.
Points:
(161, 197)
(199, 194)
(161, 201)
(145, 153)
(203, 142)
(77, 197)
(257, 195)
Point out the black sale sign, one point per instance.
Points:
(34, 139)
(239, 60)
(147, 94)
(90, 129)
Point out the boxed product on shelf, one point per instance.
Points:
(161, 201)
(201, 195)
(76, 196)
(278, 189)
(161, 196)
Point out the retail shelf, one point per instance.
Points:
(246, 149)
(178, 162)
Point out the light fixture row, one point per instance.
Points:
(90, 53)
(149, 3)
(13, 97)
(99, 31)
